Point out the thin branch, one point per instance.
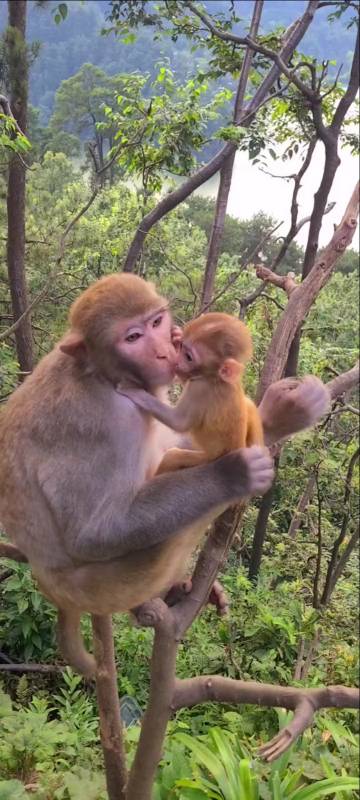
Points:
(46, 669)
(247, 41)
(304, 702)
(236, 275)
(6, 107)
(291, 39)
(329, 580)
(319, 546)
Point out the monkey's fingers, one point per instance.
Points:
(302, 718)
(219, 599)
(176, 336)
(277, 746)
(177, 591)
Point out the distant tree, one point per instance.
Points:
(240, 237)
(79, 107)
(17, 57)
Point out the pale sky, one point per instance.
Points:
(253, 191)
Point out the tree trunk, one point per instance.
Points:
(18, 68)
(260, 529)
(217, 231)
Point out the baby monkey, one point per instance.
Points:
(213, 406)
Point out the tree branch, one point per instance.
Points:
(301, 301)
(249, 42)
(304, 702)
(285, 282)
(334, 558)
(291, 39)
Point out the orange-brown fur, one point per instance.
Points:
(228, 419)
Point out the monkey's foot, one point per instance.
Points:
(177, 591)
(217, 596)
(219, 599)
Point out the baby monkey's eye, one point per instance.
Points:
(157, 322)
(188, 356)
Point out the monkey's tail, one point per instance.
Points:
(71, 644)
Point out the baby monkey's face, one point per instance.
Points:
(195, 360)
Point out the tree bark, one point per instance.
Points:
(18, 68)
(260, 529)
(217, 231)
(302, 506)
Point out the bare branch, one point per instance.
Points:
(46, 669)
(344, 382)
(334, 559)
(301, 301)
(285, 282)
(291, 39)
(304, 702)
(249, 42)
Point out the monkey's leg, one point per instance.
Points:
(254, 433)
(71, 644)
(179, 459)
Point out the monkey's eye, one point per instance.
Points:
(157, 322)
(132, 337)
(188, 356)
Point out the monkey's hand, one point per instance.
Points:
(176, 336)
(291, 405)
(247, 472)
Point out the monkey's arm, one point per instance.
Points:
(180, 418)
(291, 405)
(121, 518)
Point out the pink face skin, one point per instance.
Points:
(189, 358)
(147, 343)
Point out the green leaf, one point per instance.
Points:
(63, 10)
(326, 787)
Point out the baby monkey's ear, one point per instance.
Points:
(230, 370)
(73, 345)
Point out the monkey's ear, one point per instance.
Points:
(73, 345)
(230, 370)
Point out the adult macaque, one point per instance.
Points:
(213, 406)
(77, 459)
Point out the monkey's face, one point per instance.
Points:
(144, 348)
(194, 359)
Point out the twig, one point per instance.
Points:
(24, 668)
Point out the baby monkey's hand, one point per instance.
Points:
(176, 336)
